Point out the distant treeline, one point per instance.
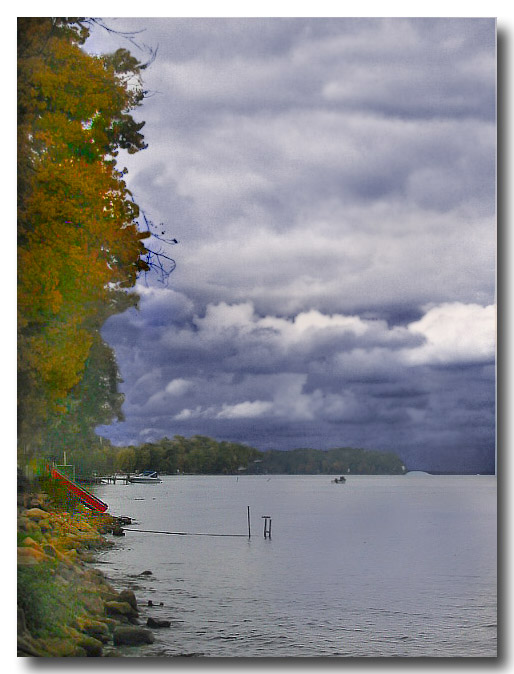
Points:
(332, 461)
(199, 454)
(202, 455)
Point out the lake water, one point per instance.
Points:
(382, 566)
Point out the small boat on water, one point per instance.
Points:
(339, 480)
(146, 477)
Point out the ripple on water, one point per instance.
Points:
(316, 588)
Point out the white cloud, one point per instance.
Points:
(177, 387)
(288, 402)
(455, 333)
(245, 410)
(187, 413)
(146, 432)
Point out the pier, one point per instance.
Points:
(112, 479)
(104, 479)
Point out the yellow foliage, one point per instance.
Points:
(77, 236)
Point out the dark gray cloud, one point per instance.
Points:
(332, 186)
(336, 379)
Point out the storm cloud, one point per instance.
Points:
(331, 183)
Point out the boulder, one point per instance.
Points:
(49, 550)
(92, 646)
(157, 622)
(111, 623)
(129, 597)
(98, 630)
(91, 540)
(24, 523)
(132, 636)
(119, 608)
(37, 514)
(95, 577)
(28, 556)
(62, 647)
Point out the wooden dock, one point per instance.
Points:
(112, 479)
(104, 479)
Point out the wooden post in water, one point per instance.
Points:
(249, 532)
(267, 526)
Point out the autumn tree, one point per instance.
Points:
(79, 247)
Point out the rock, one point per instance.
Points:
(33, 502)
(24, 523)
(31, 525)
(63, 648)
(157, 622)
(111, 623)
(68, 542)
(145, 573)
(119, 608)
(28, 556)
(92, 646)
(37, 514)
(97, 630)
(95, 576)
(132, 636)
(49, 550)
(129, 597)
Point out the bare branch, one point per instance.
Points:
(128, 35)
(155, 259)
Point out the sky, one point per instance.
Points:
(332, 187)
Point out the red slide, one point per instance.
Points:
(87, 499)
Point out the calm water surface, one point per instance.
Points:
(381, 566)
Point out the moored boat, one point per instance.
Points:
(146, 477)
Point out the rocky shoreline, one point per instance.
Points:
(66, 607)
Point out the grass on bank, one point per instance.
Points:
(46, 600)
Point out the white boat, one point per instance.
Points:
(146, 477)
